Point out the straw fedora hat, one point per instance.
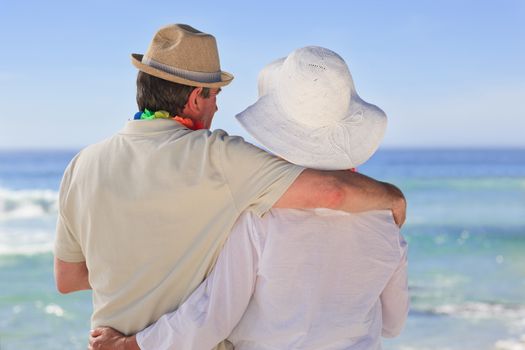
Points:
(184, 55)
(310, 114)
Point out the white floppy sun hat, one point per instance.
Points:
(309, 113)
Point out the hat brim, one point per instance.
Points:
(136, 60)
(324, 148)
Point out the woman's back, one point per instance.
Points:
(320, 276)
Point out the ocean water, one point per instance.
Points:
(465, 227)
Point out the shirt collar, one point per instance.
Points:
(139, 127)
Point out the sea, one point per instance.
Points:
(465, 229)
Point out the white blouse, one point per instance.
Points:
(296, 279)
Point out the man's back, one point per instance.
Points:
(149, 208)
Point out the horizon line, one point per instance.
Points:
(381, 148)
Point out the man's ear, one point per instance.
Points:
(192, 104)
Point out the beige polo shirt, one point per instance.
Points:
(150, 208)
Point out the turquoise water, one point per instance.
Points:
(466, 230)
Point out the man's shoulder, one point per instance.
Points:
(223, 136)
(97, 151)
(100, 145)
(94, 149)
(237, 146)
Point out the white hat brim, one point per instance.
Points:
(343, 146)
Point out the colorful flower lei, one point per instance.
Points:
(187, 122)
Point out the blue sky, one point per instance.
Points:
(447, 73)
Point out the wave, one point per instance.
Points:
(26, 204)
(26, 250)
(511, 344)
(463, 183)
(26, 241)
(476, 310)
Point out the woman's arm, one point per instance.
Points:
(395, 299)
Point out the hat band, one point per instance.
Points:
(200, 77)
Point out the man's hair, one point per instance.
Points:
(157, 94)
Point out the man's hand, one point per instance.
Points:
(106, 338)
(399, 205)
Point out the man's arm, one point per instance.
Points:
(71, 277)
(343, 190)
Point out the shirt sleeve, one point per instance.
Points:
(256, 178)
(66, 247)
(395, 299)
(212, 311)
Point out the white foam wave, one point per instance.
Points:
(480, 310)
(26, 204)
(464, 183)
(408, 347)
(511, 344)
(26, 242)
(50, 309)
(54, 309)
(26, 250)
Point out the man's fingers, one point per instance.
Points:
(96, 332)
(95, 335)
(399, 213)
(102, 338)
(92, 343)
(97, 343)
(399, 219)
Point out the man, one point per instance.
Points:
(144, 213)
(307, 279)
